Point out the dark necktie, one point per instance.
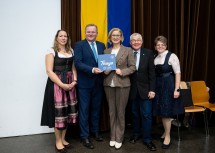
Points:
(94, 51)
(135, 57)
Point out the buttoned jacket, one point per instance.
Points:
(143, 80)
(124, 62)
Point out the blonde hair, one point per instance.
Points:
(110, 33)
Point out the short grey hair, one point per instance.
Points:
(136, 34)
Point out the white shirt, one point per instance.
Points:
(51, 50)
(173, 61)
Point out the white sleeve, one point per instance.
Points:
(50, 51)
(72, 51)
(174, 61)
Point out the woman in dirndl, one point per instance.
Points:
(60, 101)
(168, 76)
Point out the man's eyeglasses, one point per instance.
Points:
(134, 41)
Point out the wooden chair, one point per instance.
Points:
(189, 106)
(200, 95)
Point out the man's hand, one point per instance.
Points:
(97, 70)
(151, 95)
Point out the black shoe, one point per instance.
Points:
(150, 146)
(133, 139)
(68, 146)
(161, 139)
(87, 143)
(165, 146)
(60, 150)
(97, 137)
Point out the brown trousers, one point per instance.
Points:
(117, 99)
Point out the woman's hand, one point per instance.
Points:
(176, 94)
(72, 85)
(119, 72)
(66, 87)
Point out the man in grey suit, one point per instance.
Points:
(142, 92)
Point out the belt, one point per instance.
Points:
(164, 74)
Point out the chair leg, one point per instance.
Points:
(206, 123)
(191, 121)
(210, 115)
(206, 117)
(179, 137)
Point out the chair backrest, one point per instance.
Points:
(199, 92)
(185, 94)
(183, 85)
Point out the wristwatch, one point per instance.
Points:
(178, 90)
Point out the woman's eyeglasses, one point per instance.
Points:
(116, 36)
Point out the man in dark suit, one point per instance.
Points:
(90, 84)
(142, 92)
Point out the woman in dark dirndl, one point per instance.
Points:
(168, 76)
(60, 101)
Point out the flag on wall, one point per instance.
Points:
(107, 14)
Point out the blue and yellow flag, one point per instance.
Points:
(107, 14)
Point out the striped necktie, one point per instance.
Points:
(94, 51)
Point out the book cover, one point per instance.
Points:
(107, 62)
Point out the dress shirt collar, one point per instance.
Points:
(163, 53)
(138, 51)
(91, 42)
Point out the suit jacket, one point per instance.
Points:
(84, 63)
(125, 62)
(143, 80)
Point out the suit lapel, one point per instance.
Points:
(99, 49)
(109, 50)
(89, 49)
(119, 55)
(142, 58)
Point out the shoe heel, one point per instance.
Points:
(60, 150)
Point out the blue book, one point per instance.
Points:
(107, 62)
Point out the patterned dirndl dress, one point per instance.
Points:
(60, 106)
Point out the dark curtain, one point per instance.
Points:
(71, 19)
(187, 24)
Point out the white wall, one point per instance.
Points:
(27, 29)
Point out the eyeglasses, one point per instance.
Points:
(134, 41)
(116, 36)
(160, 45)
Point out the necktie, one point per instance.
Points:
(135, 57)
(94, 51)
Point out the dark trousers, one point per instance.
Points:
(89, 110)
(142, 118)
